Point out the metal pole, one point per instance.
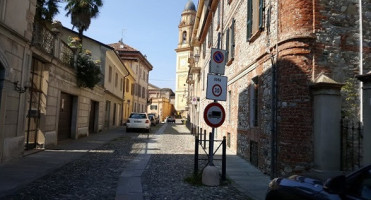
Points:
(195, 169)
(204, 139)
(224, 159)
(211, 147)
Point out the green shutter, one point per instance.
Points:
(227, 44)
(232, 39)
(261, 7)
(249, 19)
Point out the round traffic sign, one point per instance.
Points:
(218, 56)
(217, 90)
(214, 115)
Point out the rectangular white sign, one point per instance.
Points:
(217, 61)
(216, 87)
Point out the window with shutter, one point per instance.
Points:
(249, 19)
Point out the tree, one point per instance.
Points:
(46, 10)
(82, 11)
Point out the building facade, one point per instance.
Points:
(141, 67)
(286, 64)
(182, 55)
(160, 102)
(16, 20)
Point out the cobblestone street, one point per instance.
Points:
(95, 175)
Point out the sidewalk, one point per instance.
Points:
(17, 174)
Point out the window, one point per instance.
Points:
(184, 37)
(144, 75)
(121, 84)
(110, 74)
(255, 15)
(143, 93)
(127, 85)
(139, 90)
(153, 107)
(210, 36)
(229, 106)
(116, 79)
(132, 89)
(254, 102)
(230, 42)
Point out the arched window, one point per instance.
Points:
(184, 38)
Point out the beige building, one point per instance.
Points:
(16, 20)
(115, 73)
(182, 55)
(160, 102)
(141, 67)
(129, 94)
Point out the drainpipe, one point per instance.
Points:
(360, 61)
(274, 102)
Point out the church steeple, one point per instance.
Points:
(186, 24)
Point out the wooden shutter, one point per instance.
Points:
(249, 19)
(261, 7)
(232, 39)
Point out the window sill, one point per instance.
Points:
(230, 61)
(255, 36)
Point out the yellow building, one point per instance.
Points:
(160, 102)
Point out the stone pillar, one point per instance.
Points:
(326, 124)
(366, 79)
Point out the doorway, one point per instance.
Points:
(93, 117)
(65, 116)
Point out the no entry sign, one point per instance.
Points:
(214, 115)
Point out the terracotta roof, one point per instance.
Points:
(120, 46)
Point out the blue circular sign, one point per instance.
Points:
(218, 56)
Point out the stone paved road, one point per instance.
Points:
(95, 175)
(171, 164)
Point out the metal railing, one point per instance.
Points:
(351, 145)
(200, 140)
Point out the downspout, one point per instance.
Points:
(274, 102)
(360, 61)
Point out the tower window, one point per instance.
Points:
(184, 40)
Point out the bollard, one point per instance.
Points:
(195, 168)
(224, 159)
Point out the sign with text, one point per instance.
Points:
(217, 61)
(216, 87)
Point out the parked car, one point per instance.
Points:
(356, 185)
(138, 121)
(155, 119)
(170, 119)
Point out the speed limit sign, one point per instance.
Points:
(216, 87)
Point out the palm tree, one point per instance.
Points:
(82, 11)
(46, 10)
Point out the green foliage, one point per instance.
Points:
(194, 179)
(88, 73)
(351, 98)
(46, 10)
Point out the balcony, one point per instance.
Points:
(49, 43)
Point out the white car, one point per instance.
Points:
(138, 121)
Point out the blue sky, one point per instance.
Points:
(150, 26)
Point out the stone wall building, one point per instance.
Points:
(16, 20)
(286, 64)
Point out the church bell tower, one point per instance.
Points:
(182, 55)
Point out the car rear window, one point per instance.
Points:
(138, 116)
